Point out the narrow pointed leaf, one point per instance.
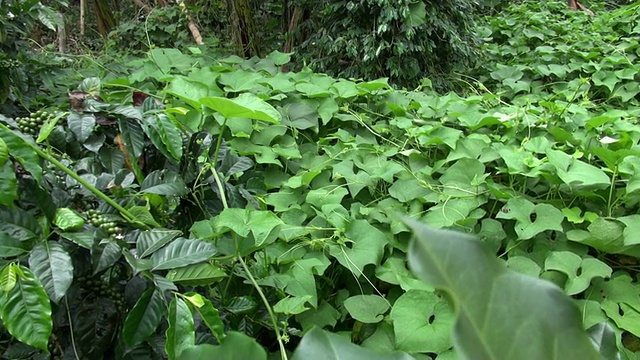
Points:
(181, 332)
(144, 318)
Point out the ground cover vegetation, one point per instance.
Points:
(189, 204)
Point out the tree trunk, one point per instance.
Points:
(576, 5)
(243, 33)
(104, 17)
(193, 28)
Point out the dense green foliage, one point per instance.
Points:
(22, 70)
(401, 40)
(188, 205)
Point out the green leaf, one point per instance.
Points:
(197, 274)
(149, 241)
(210, 315)
(164, 182)
(577, 174)
(19, 224)
(8, 184)
(182, 252)
(145, 316)
(422, 322)
(103, 256)
(10, 246)
(417, 14)
(240, 80)
(132, 136)
(500, 313)
(531, 219)
(368, 309)
(263, 225)
(180, 334)
(244, 106)
(188, 90)
(4, 152)
(318, 344)
(90, 85)
(292, 305)
(26, 311)
(579, 271)
(236, 346)
(68, 220)
(164, 135)
(365, 246)
(8, 278)
(23, 152)
(81, 125)
(51, 263)
(604, 339)
(48, 127)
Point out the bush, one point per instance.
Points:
(403, 40)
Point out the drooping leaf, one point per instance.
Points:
(51, 263)
(182, 252)
(210, 315)
(164, 135)
(181, 331)
(8, 184)
(23, 152)
(144, 317)
(26, 310)
(500, 313)
(103, 256)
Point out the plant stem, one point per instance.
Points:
(129, 216)
(611, 188)
(274, 321)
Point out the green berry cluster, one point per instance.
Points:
(9, 64)
(98, 220)
(57, 173)
(33, 123)
(100, 288)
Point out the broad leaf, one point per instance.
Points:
(23, 152)
(150, 241)
(182, 252)
(25, 310)
(244, 106)
(500, 313)
(144, 318)
(51, 263)
(81, 125)
(369, 309)
(68, 220)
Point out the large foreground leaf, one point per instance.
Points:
(26, 311)
(318, 344)
(501, 314)
(236, 346)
